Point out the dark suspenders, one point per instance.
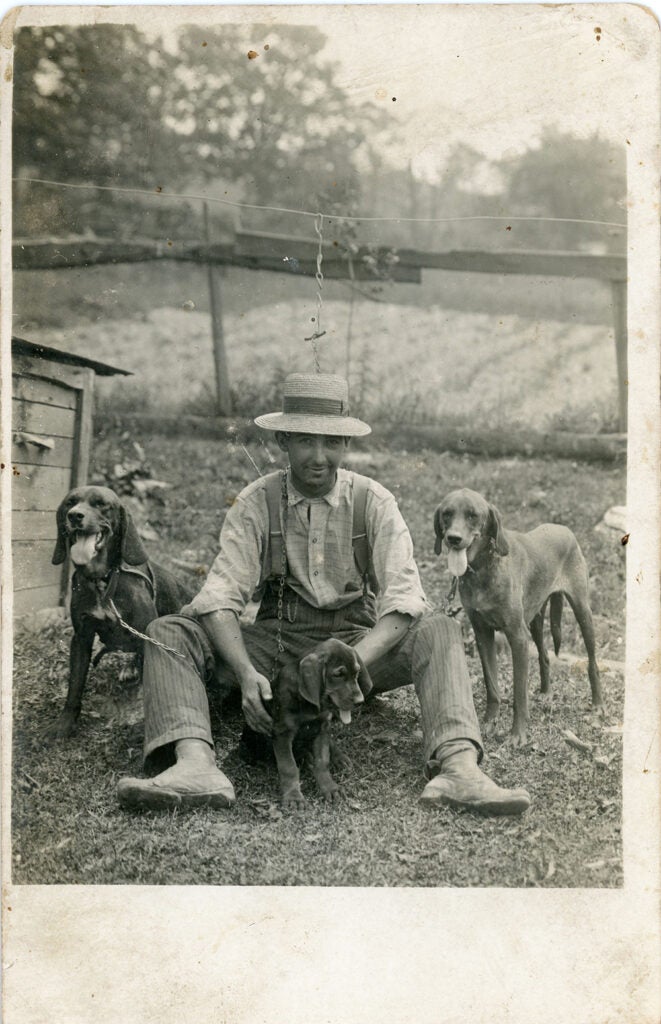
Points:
(272, 560)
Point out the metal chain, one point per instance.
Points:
(283, 576)
(319, 277)
(149, 639)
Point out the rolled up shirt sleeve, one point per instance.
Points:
(235, 573)
(400, 589)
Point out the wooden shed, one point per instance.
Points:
(52, 394)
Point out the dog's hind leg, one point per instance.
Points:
(537, 633)
(555, 617)
(486, 645)
(581, 609)
(97, 657)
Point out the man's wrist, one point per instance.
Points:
(246, 676)
(224, 631)
(386, 634)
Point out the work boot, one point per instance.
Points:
(185, 784)
(460, 783)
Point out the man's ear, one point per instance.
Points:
(495, 530)
(310, 678)
(438, 529)
(283, 440)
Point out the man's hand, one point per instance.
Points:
(223, 629)
(255, 690)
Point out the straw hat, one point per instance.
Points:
(314, 403)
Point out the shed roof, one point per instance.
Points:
(20, 347)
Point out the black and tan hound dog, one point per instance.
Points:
(329, 681)
(115, 588)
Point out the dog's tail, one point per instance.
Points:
(556, 620)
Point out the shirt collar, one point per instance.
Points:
(294, 497)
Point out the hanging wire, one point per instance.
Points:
(352, 279)
(308, 213)
(319, 277)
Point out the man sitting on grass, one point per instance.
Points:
(322, 595)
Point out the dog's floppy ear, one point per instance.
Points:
(131, 547)
(60, 551)
(440, 532)
(311, 678)
(495, 530)
(364, 679)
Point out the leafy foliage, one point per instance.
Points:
(111, 105)
(569, 177)
(566, 176)
(278, 122)
(87, 103)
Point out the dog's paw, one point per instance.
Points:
(339, 760)
(62, 728)
(516, 739)
(293, 800)
(328, 787)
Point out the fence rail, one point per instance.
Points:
(291, 255)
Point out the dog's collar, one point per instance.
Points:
(456, 580)
(107, 585)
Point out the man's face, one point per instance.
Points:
(314, 460)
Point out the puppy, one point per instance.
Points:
(113, 579)
(329, 681)
(506, 579)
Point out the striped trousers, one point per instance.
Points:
(430, 656)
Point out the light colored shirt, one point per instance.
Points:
(320, 559)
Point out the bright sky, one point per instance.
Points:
(491, 77)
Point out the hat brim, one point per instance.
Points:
(306, 423)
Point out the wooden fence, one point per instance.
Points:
(292, 255)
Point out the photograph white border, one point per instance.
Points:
(347, 956)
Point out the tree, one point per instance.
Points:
(276, 120)
(256, 106)
(87, 105)
(569, 177)
(87, 109)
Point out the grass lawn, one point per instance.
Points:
(68, 828)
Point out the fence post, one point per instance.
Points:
(223, 397)
(619, 296)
